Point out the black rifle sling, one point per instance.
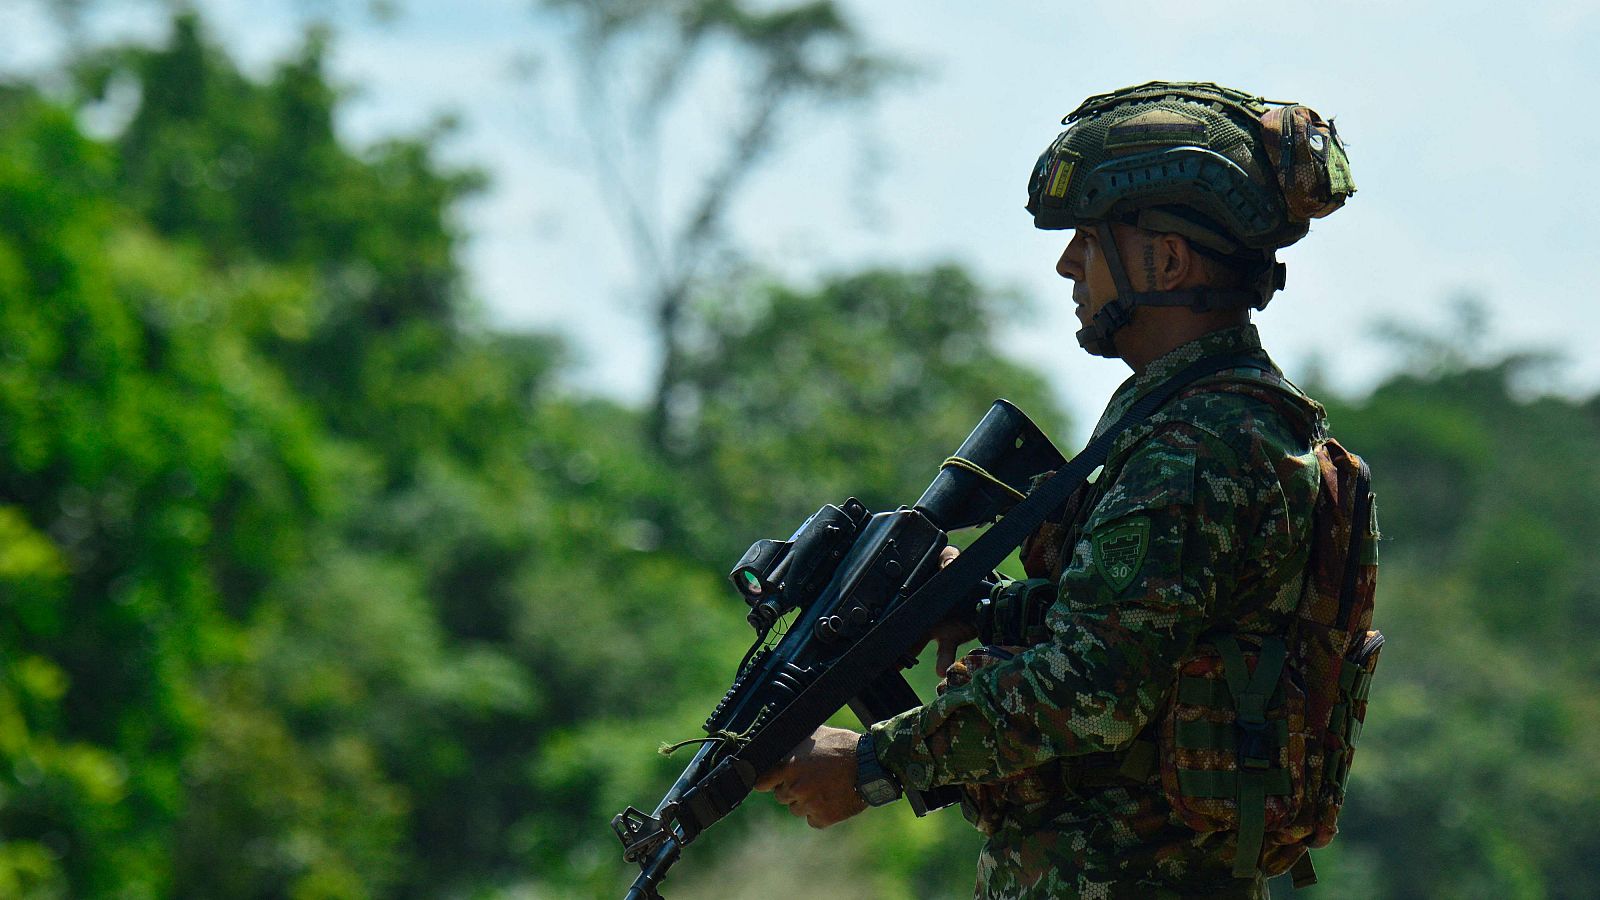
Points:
(886, 641)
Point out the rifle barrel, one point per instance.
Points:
(654, 872)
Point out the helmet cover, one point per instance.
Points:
(1233, 172)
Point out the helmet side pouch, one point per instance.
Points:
(1309, 160)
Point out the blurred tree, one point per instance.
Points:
(861, 387)
(637, 64)
(225, 340)
(1482, 746)
(161, 457)
(255, 172)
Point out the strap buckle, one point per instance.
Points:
(1115, 314)
(1254, 750)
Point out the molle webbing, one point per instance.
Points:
(1247, 104)
(1256, 777)
(1344, 728)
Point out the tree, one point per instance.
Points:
(636, 63)
(227, 341)
(1480, 744)
(152, 462)
(859, 387)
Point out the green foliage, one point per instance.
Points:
(1481, 746)
(862, 387)
(170, 477)
(310, 588)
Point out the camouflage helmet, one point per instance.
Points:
(1237, 175)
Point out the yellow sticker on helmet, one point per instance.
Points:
(1061, 177)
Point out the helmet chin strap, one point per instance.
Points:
(1099, 336)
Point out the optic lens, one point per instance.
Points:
(752, 584)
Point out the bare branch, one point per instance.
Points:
(637, 61)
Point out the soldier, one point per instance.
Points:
(1178, 195)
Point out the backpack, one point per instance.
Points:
(1261, 731)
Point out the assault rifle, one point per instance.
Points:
(858, 592)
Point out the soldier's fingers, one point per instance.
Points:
(947, 658)
(773, 778)
(947, 556)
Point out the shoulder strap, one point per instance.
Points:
(993, 546)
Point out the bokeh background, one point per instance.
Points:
(386, 387)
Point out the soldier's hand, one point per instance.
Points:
(950, 634)
(818, 780)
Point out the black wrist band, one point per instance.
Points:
(875, 785)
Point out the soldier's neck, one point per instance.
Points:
(1158, 330)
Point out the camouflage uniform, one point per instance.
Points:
(1199, 522)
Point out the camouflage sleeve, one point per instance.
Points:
(1141, 584)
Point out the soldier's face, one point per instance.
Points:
(1085, 266)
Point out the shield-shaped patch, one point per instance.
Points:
(1119, 551)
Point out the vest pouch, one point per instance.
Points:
(1233, 744)
(1344, 729)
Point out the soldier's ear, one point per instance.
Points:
(1177, 266)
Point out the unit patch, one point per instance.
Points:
(1119, 551)
(1061, 177)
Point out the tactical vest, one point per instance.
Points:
(1258, 733)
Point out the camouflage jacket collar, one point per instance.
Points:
(1242, 339)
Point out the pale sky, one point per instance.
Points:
(1471, 130)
